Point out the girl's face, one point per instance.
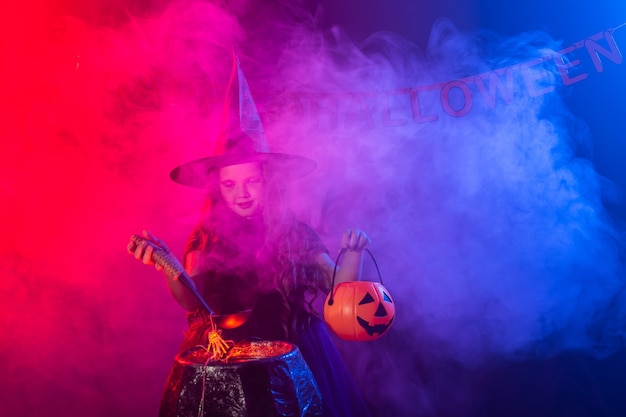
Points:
(242, 187)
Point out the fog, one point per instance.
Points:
(487, 218)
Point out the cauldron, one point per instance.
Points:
(258, 378)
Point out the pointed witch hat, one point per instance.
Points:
(241, 140)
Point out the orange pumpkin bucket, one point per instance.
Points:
(359, 310)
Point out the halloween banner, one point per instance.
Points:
(452, 98)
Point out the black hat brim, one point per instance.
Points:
(287, 167)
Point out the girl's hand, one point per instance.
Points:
(355, 240)
(145, 248)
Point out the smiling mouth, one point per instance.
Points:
(376, 328)
(245, 205)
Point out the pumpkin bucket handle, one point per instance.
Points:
(332, 288)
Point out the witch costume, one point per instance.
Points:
(247, 267)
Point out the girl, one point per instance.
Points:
(248, 253)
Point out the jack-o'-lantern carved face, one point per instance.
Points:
(375, 311)
(359, 310)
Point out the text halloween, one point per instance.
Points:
(456, 98)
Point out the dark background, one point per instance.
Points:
(569, 383)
